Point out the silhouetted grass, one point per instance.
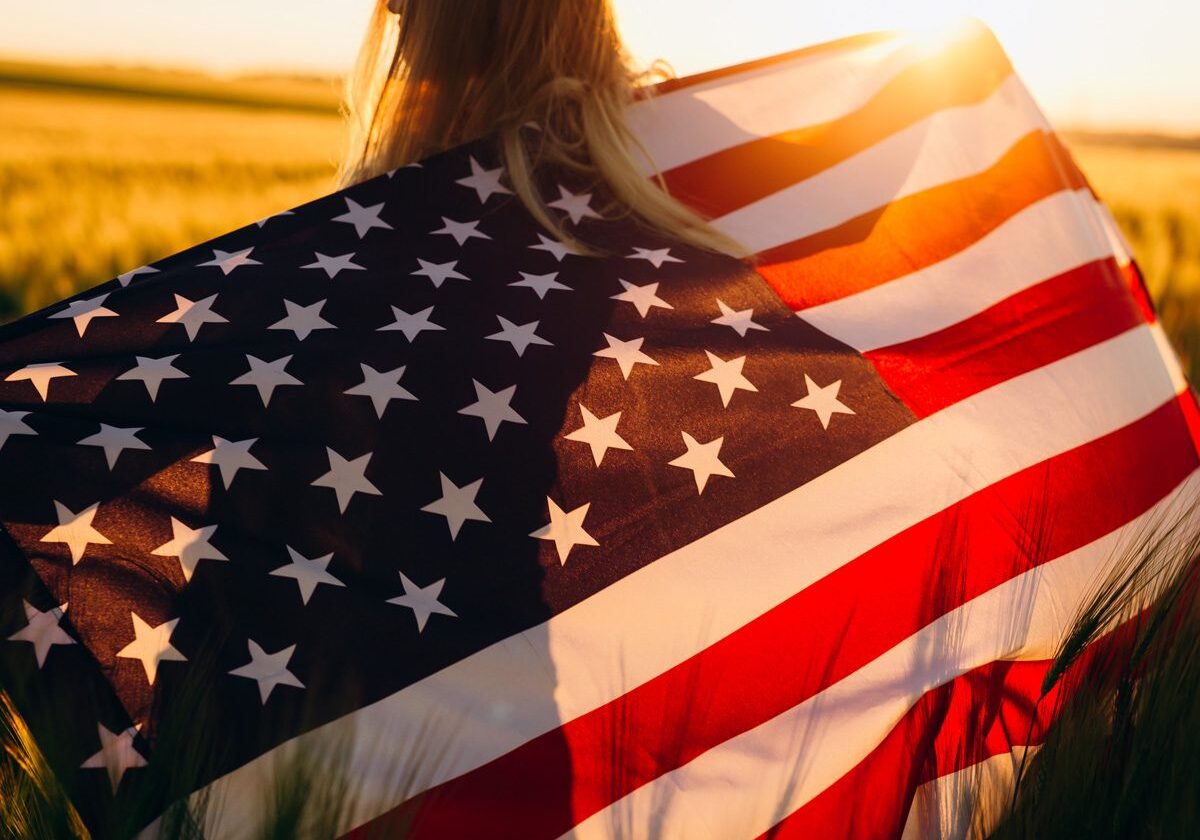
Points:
(1123, 758)
(32, 803)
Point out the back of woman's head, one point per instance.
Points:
(434, 74)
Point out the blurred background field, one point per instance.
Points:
(105, 169)
(1152, 185)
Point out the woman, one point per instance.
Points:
(432, 76)
(516, 542)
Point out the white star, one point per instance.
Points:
(540, 283)
(227, 261)
(599, 433)
(485, 182)
(726, 375)
(42, 630)
(40, 375)
(412, 324)
(363, 218)
(739, 321)
(151, 645)
(268, 669)
(575, 206)
(117, 754)
(229, 457)
(266, 376)
(346, 478)
(124, 279)
(565, 530)
(75, 529)
(83, 311)
(824, 401)
(114, 440)
(493, 407)
(702, 460)
(461, 231)
(309, 573)
(627, 353)
(13, 423)
(520, 336)
(302, 320)
(190, 545)
(457, 504)
(557, 249)
(439, 273)
(192, 314)
(422, 600)
(655, 257)
(151, 372)
(263, 221)
(381, 386)
(642, 297)
(333, 266)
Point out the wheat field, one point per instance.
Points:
(1155, 195)
(1154, 192)
(94, 182)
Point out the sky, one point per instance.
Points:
(1100, 64)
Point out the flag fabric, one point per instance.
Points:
(643, 543)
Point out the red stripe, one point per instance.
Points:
(835, 626)
(724, 181)
(919, 230)
(1032, 328)
(983, 713)
(1137, 287)
(983, 705)
(1191, 412)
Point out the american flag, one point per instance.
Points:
(646, 543)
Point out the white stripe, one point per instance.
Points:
(700, 120)
(951, 144)
(749, 783)
(968, 803)
(1169, 359)
(1112, 230)
(495, 700)
(1044, 240)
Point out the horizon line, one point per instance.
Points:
(1166, 137)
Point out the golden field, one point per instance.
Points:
(103, 170)
(95, 181)
(1154, 191)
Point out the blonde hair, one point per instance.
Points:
(434, 74)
